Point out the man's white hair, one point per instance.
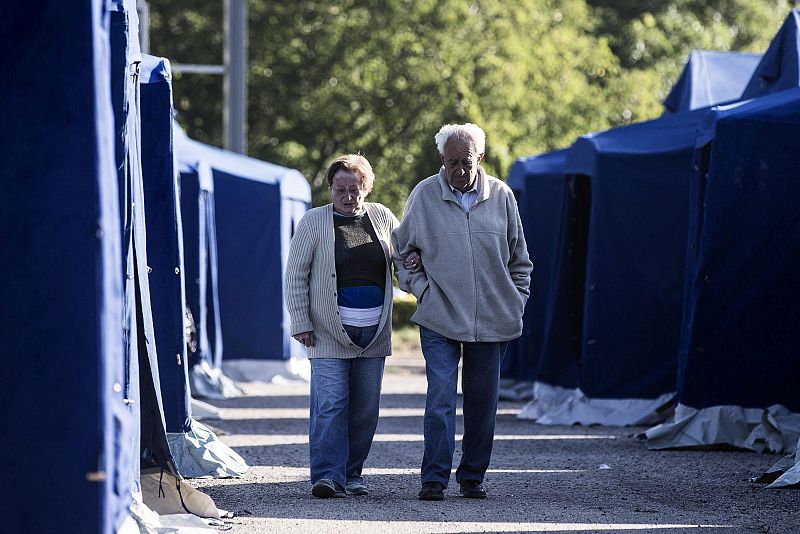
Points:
(467, 132)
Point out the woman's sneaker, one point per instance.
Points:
(356, 488)
(327, 489)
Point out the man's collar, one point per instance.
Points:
(474, 187)
(479, 187)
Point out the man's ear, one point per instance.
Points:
(441, 157)
(480, 156)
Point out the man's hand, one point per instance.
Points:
(306, 338)
(413, 262)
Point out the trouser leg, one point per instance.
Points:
(366, 376)
(328, 432)
(439, 426)
(480, 378)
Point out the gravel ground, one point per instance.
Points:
(542, 478)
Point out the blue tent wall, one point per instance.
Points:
(200, 251)
(742, 311)
(538, 183)
(142, 386)
(250, 277)
(636, 254)
(164, 241)
(560, 353)
(61, 268)
(254, 206)
(779, 69)
(709, 78)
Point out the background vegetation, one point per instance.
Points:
(380, 77)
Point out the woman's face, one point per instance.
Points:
(348, 197)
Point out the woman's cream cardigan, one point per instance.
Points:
(310, 285)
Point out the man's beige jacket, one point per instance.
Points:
(477, 272)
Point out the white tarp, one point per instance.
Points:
(553, 405)
(775, 429)
(198, 453)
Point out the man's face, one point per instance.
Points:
(460, 160)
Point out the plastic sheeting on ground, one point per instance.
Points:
(199, 453)
(772, 429)
(553, 405)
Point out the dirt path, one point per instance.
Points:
(542, 478)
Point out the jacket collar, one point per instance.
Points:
(447, 191)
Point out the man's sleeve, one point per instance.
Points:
(519, 263)
(403, 242)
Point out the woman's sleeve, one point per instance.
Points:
(297, 281)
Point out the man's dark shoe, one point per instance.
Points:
(327, 489)
(431, 491)
(472, 489)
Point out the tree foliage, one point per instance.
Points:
(380, 77)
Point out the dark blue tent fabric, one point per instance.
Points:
(250, 276)
(779, 69)
(742, 311)
(710, 78)
(64, 455)
(560, 353)
(538, 183)
(635, 254)
(200, 254)
(142, 386)
(253, 216)
(164, 241)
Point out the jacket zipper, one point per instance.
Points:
(474, 274)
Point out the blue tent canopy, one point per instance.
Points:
(200, 253)
(709, 78)
(539, 185)
(256, 206)
(164, 241)
(62, 288)
(635, 183)
(741, 310)
(779, 69)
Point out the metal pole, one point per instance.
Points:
(144, 25)
(235, 125)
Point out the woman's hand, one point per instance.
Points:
(413, 262)
(306, 338)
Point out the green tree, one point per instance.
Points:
(380, 77)
(652, 39)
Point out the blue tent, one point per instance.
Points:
(709, 78)
(62, 281)
(142, 385)
(164, 241)
(737, 358)
(621, 308)
(779, 69)
(195, 448)
(539, 185)
(255, 208)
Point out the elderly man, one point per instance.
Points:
(470, 298)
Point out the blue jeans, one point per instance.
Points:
(361, 335)
(480, 378)
(345, 397)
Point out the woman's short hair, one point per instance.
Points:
(355, 163)
(467, 132)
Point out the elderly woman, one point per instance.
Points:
(339, 297)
